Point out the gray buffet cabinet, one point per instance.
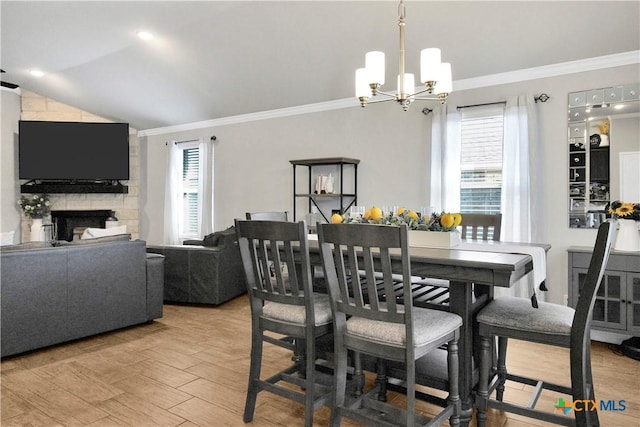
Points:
(617, 306)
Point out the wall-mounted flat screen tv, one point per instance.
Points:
(73, 151)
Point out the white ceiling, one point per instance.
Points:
(214, 59)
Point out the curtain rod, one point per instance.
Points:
(481, 105)
(543, 97)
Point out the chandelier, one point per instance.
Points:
(434, 75)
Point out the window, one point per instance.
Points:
(189, 190)
(481, 159)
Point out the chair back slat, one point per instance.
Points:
(267, 246)
(358, 257)
(481, 226)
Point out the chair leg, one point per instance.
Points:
(454, 378)
(483, 379)
(411, 393)
(358, 374)
(340, 383)
(254, 375)
(502, 366)
(381, 379)
(310, 382)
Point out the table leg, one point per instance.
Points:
(460, 294)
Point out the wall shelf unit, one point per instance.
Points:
(73, 188)
(343, 200)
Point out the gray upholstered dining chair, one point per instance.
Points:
(268, 216)
(285, 304)
(374, 324)
(550, 324)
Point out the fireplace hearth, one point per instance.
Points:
(66, 221)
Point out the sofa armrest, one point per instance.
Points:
(192, 242)
(155, 285)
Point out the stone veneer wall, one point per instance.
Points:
(37, 107)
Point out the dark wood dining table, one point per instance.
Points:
(471, 273)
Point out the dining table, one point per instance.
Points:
(472, 269)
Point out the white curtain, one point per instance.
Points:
(521, 184)
(171, 220)
(206, 187)
(445, 160)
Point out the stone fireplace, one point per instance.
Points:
(66, 221)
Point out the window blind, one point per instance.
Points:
(481, 159)
(190, 196)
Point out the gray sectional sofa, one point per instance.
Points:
(207, 271)
(50, 295)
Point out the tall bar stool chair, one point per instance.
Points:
(550, 324)
(378, 326)
(285, 304)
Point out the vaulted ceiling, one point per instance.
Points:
(214, 59)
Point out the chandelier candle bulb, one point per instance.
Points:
(374, 64)
(444, 84)
(362, 85)
(409, 86)
(430, 60)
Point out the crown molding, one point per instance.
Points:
(546, 71)
(553, 70)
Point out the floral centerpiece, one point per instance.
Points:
(36, 206)
(622, 210)
(444, 224)
(628, 238)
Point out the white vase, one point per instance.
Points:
(628, 238)
(37, 230)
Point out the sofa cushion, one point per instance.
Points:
(211, 239)
(90, 233)
(105, 239)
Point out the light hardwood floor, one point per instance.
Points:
(190, 369)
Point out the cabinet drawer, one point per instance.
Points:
(617, 261)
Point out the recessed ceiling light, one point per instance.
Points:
(36, 73)
(145, 35)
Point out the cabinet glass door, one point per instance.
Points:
(609, 307)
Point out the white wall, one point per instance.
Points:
(9, 186)
(252, 169)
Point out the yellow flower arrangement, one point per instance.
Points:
(624, 210)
